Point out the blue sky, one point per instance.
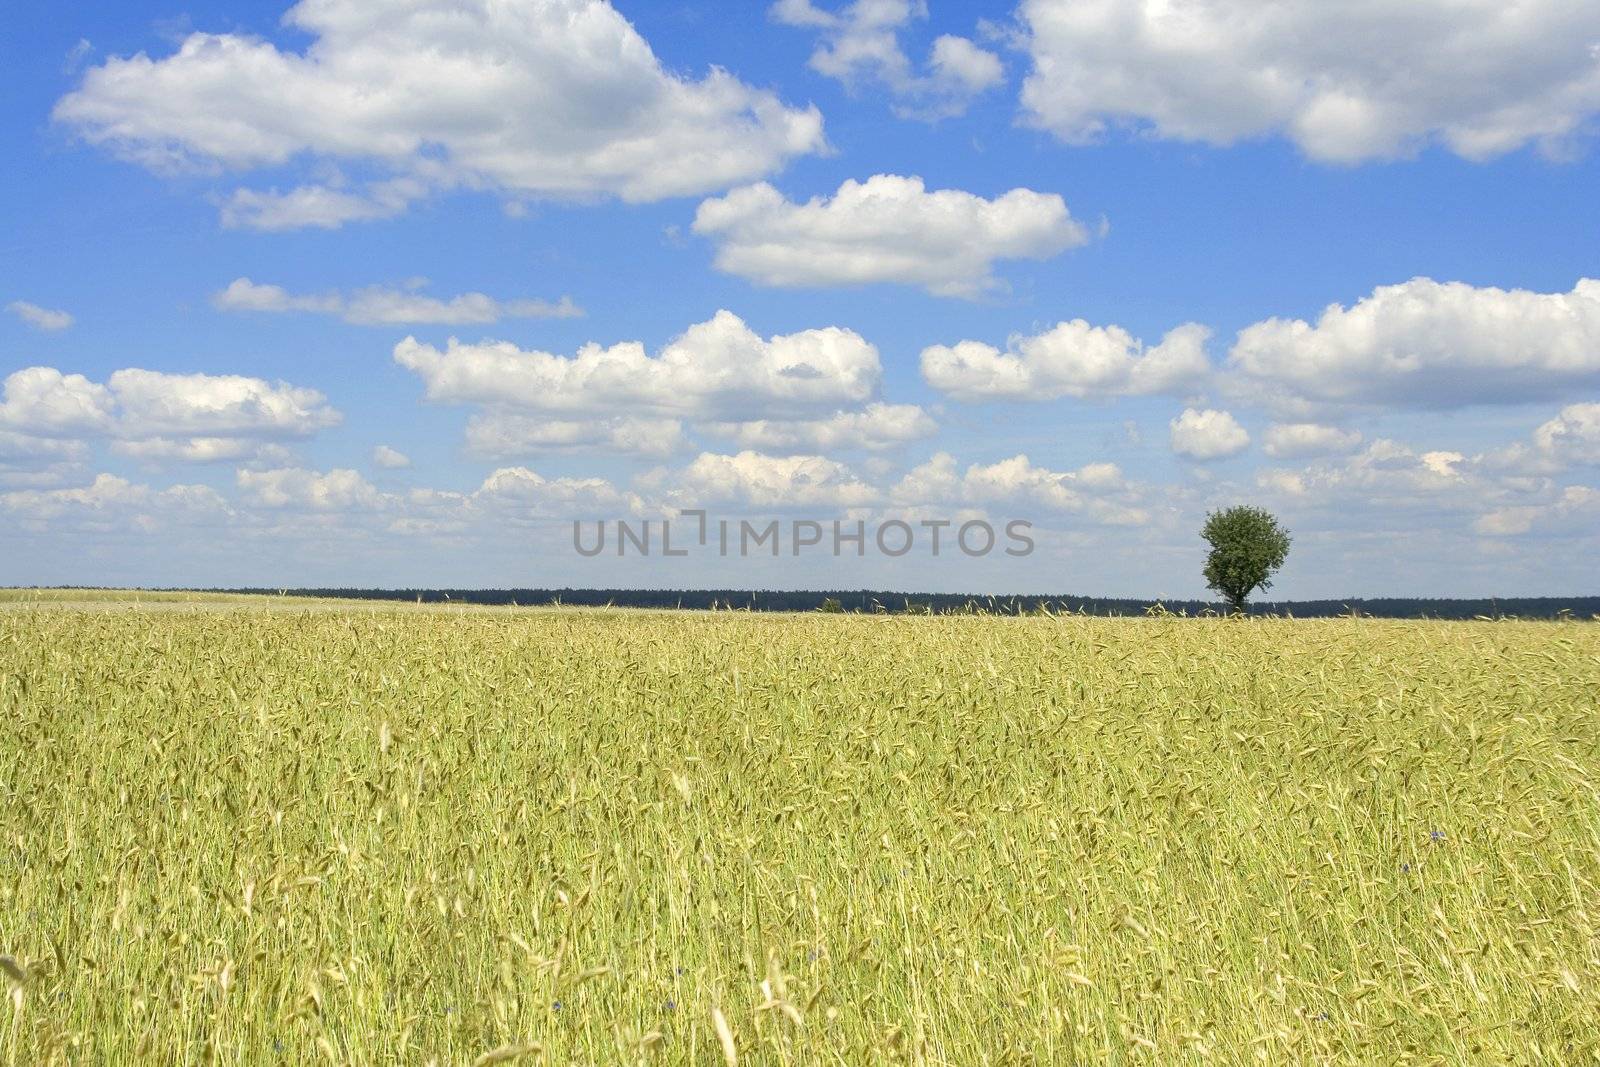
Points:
(1430, 172)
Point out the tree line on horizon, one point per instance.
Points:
(1247, 547)
(877, 601)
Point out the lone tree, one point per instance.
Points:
(1247, 546)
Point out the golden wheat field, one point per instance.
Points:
(294, 833)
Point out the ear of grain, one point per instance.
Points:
(730, 1052)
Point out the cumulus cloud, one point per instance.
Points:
(286, 514)
(756, 480)
(1206, 435)
(1070, 359)
(875, 427)
(1097, 491)
(507, 492)
(531, 495)
(40, 318)
(384, 306)
(26, 460)
(501, 434)
(1388, 485)
(1294, 439)
(1573, 436)
(42, 414)
(43, 402)
(719, 367)
(110, 502)
(859, 45)
(1428, 344)
(19, 448)
(1344, 82)
(390, 459)
(295, 487)
(555, 98)
(1576, 509)
(156, 416)
(1570, 439)
(886, 229)
(152, 403)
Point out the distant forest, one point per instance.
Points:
(877, 601)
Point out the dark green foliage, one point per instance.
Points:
(1247, 548)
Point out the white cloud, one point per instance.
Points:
(1208, 434)
(531, 495)
(555, 98)
(386, 306)
(886, 229)
(20, 447)
(114, 503)
(201, 450)
(719, 367)
(1428, 344)
(44, 402)
(40, 318)
(752, 479)
(1387, 471)
(501, 434)
(76, 55)
(1071, 359)
(860, 44)
(319, 207)
(1388, 486)
(156, 416)
(381, 305)
(1573, 436)
(1344, 82)
(757, 480)
(390, 459)
(1097, 491)
(964, 68)
(242, 294)
(798, 393)
(1577, 509)
(875, 427)
(336, 496)
(294, 487)
(286, 515)
(152, 403)
(38, 461)
(1294, 439)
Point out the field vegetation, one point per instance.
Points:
(401, 834)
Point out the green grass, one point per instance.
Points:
(403, 835)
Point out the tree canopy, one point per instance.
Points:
(1247, 548)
